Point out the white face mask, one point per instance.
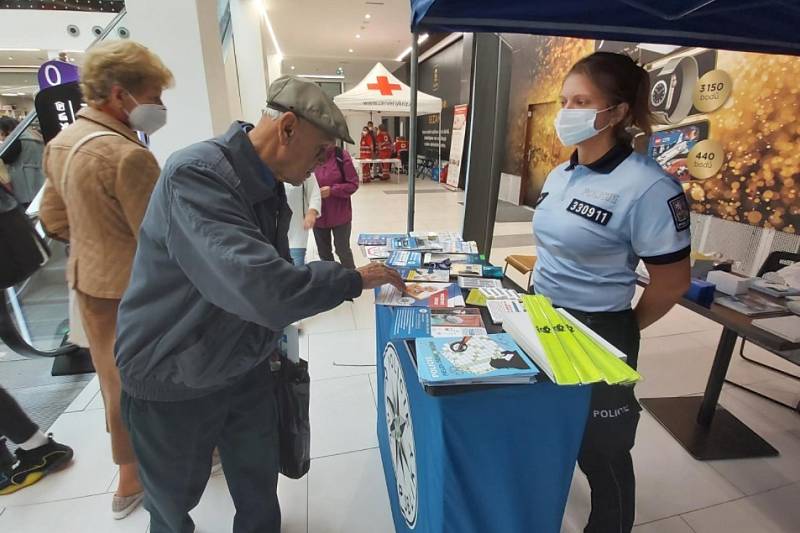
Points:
(573, 126)
(147, 118)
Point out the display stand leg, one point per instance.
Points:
(706, 430)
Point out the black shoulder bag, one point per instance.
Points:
(22, 250)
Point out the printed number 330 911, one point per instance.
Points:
(590, 212)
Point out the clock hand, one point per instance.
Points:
(403, 461)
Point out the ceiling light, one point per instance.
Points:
(20, 94)
(350, 50)
(271, 31)
(8, 94)
(292, 67)
(420, 40)
(358, 36)
(74, 51)
(20, 49)
(367, 16)
(10, 58)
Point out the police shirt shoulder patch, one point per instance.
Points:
(541, 199)
(679, 208)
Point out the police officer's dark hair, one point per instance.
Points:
(621, 80)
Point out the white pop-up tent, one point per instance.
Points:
(382, 93)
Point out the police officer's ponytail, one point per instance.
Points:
(622, 81)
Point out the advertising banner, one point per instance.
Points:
(57, 72)
(725, 124)
(56, 108)
(457, 145)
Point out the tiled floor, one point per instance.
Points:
(345, 492)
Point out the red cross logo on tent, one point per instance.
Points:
(384, 86)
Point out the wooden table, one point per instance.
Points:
(705, 429)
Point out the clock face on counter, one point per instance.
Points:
(401, 435)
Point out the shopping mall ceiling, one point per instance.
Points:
(108, 6)
(318, 36)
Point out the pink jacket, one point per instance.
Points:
(336, 209)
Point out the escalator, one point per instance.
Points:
(34, 314)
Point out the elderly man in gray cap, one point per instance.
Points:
(211, 290)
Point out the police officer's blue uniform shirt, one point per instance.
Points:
(593, 223)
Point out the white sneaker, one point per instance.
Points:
(122, 506)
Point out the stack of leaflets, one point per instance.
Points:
(438, 236)
(466, 282)
(778, 290)
(456, 322)
(565, 349)
(376, 252)
(491, 271)
(472, 259)
(431, 295)
(376, 239)
(462, 269)
(751, 304)
(415, 322)
(413, 244)
(459, 247)
(483, 295)
(425, 274)
(468, 360)
(401, 259)
(500, 309)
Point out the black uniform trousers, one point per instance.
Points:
(174, 442)
(605, 456)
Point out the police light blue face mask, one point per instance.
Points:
(573, 126)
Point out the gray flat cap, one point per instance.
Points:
(306, 100)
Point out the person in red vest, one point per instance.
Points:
(384, 150)
(367, 152)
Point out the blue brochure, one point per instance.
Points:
(376, 239)
(482, 359)
(403, 259)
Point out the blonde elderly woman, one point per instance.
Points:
(99, 180)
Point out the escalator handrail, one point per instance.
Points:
(9, 333)
(12, 338)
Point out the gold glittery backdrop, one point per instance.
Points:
(760, 133)
(758, 128)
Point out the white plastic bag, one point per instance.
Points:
(76, 335)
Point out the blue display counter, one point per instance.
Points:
(493, 459)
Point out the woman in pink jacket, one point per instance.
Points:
(338, 181)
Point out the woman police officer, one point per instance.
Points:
(597, 215)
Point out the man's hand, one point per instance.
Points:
(310, 219)
(377, 274)
(325, 192)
